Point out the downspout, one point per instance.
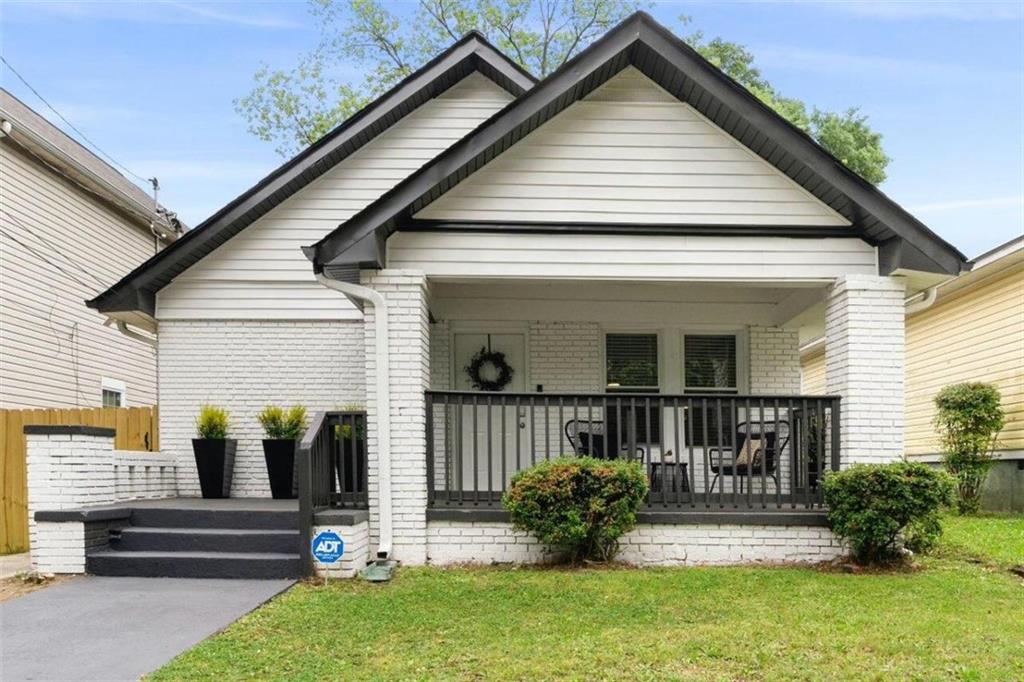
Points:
(131, 334)
(383, 426)
(930, 295)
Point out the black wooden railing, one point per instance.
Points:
(707, 451)
(331, 468)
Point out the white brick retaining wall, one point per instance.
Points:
(357, 550)
(487, 542)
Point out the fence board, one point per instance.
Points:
(137, 429)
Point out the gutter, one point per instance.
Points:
(122, 327)
(383, 425)
(930, 295)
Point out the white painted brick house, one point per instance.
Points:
(643, 241)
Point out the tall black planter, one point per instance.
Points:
(279, 454)
(215, 462)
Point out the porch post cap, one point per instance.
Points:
(67, 430)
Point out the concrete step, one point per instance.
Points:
(192, 564)
(236, 540)
(250, 519)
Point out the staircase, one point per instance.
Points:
(170, 542)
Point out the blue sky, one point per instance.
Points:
(153, 85)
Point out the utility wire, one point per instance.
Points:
(17, 221)
(72, 125)
(90, 287)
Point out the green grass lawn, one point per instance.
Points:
(950, 619)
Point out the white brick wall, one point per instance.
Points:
(864, 363)
(58, 547)
(244, 366)
(356, 555)
(451, 542)
(408, 319)
(566, 357)
(774, 361)
(144, 475)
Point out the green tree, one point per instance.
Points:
(293, 108)
(969, 418)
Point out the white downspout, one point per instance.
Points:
(383, 426)
(925, 303)
(123, 328)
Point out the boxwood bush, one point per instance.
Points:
(581, 504)
(881, 508)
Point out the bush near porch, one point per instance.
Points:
(951, 619)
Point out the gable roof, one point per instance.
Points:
(48, 143)
(472, 53)
(640, 41)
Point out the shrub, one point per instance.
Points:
(282, 424)
(582, 504)
(878, 508)
(969, 417)
(212, 422)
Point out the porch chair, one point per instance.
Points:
(587, 439)
(766, 443)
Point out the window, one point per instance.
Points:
(709, 367)
(632, 367)
(112, 392)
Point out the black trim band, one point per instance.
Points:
(659, 517)
(65, 430)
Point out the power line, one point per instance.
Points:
(72, 125)
(53, 248)
(42, 257)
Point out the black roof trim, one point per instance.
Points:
(664, 58)
(472, 53)
(715, 230)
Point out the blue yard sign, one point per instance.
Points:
(328, 547)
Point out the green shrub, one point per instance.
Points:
(969, 417)
(879, 508)
(281, 424)
(212, 422)
(582, 504)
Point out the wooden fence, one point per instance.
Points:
(136, 429)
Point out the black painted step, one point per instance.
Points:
(151, 539)
(169, 517)
(192, 564)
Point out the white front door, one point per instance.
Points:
(493, 435)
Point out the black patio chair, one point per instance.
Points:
(763, 459)
(587, 439)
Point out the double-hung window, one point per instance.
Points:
(710, 368)
(632, 367)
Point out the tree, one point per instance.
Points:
(969, 418)
(294, 108)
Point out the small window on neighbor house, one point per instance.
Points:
(113, 392)
(709, 366)
(632, 367)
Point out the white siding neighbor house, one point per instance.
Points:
(618, 260)
(70, 226)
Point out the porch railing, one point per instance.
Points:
(699, 451)
(331, 468)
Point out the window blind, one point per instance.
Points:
(710, 362)
(632, 360)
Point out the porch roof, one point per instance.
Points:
(905, 242)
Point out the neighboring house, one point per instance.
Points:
(70, 225)
(967, 329)
(640, 237)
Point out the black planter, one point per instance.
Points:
(279, 454)
(215, 462)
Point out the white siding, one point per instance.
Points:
(631, 153)
(59, 246)
(262, 274)
(633, 257)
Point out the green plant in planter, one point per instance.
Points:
(581, 504)
(212, 422)
(879, 508)
(281, 424)
(969, 418)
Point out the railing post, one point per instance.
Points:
(836, 440)
(430, 448)
(302, 455)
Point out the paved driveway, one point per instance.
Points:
(96, 628)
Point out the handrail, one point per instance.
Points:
(304, 465)
(631, 394)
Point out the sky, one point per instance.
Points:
(153, 85)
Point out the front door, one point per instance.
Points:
(493, 442)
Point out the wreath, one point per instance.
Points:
(497, 361)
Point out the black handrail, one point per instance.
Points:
(694, 446)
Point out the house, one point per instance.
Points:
(626, 253)
(970, 328)
(70, 226)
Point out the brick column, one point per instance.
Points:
(406, 295)
(864, 349)
(774, 361)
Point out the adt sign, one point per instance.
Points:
(328, 547)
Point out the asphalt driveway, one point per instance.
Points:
(98, 628)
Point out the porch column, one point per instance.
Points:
(864, 349)
(409, 356)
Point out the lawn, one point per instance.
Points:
(952, 618)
